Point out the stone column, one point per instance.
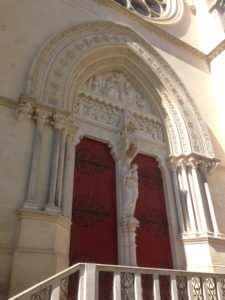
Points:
(199, 197)
(205, 167)
(59, 124)
(41, 118)
(183, 201)
(127, 190)
(68, 175)
(188, 198)
(180, 215)
(129, 226)
(61, 162)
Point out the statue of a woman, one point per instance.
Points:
(129, 190)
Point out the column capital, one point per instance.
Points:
(59, 121)
(71, 129)
(129, 224)
(195, 161)
(179, 162)
(42, 115)
(24, 111)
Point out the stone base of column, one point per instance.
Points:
(53, 209)
(129, 226)
(203, 254)
(42, 248)
(30, 205)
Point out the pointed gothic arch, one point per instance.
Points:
(67, 59)
(61, 81)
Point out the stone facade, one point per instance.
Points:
(71, 69)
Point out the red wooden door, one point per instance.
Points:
(94, 222)
(153, 243)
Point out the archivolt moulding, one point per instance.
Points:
(75, 54)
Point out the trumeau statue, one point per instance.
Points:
(129, 189)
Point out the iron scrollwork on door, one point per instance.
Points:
(153, 221)
(150, 177)
(88, 212)
(88, 163)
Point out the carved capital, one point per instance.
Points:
(129, 224)
(42, 115)
(209, 165)
(179, 162)
(193, 161)
(24, 111)
(71, 129)
(59, 122)
(191, 6)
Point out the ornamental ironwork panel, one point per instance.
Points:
(69, 287)
(127, 286)
(154, 221)
(211, 286)
(89, 163)
(197, 288)
(147, 286)
(64, 288)
(165, 287)
(151, 177)
(105, 285)
(182, 287)
(44, 294)
(88, 212)
(222, 281)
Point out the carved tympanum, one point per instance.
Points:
(116, 88)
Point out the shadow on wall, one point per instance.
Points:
(217, 183)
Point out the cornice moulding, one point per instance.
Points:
(154, 27)
(44, 216)
(8, 102)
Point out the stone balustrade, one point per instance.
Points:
(86, 281)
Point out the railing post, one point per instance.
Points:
(173, 282)
(190, 288)
(137, 287)
(116, 286)
(156, 288)
(205, 289)
(89, 283)
(55, 294)
(81, 284)
(219, 288)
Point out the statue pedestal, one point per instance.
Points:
(128, 226)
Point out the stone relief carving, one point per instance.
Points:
(96, 110)
(110, 114)
(116, 88)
